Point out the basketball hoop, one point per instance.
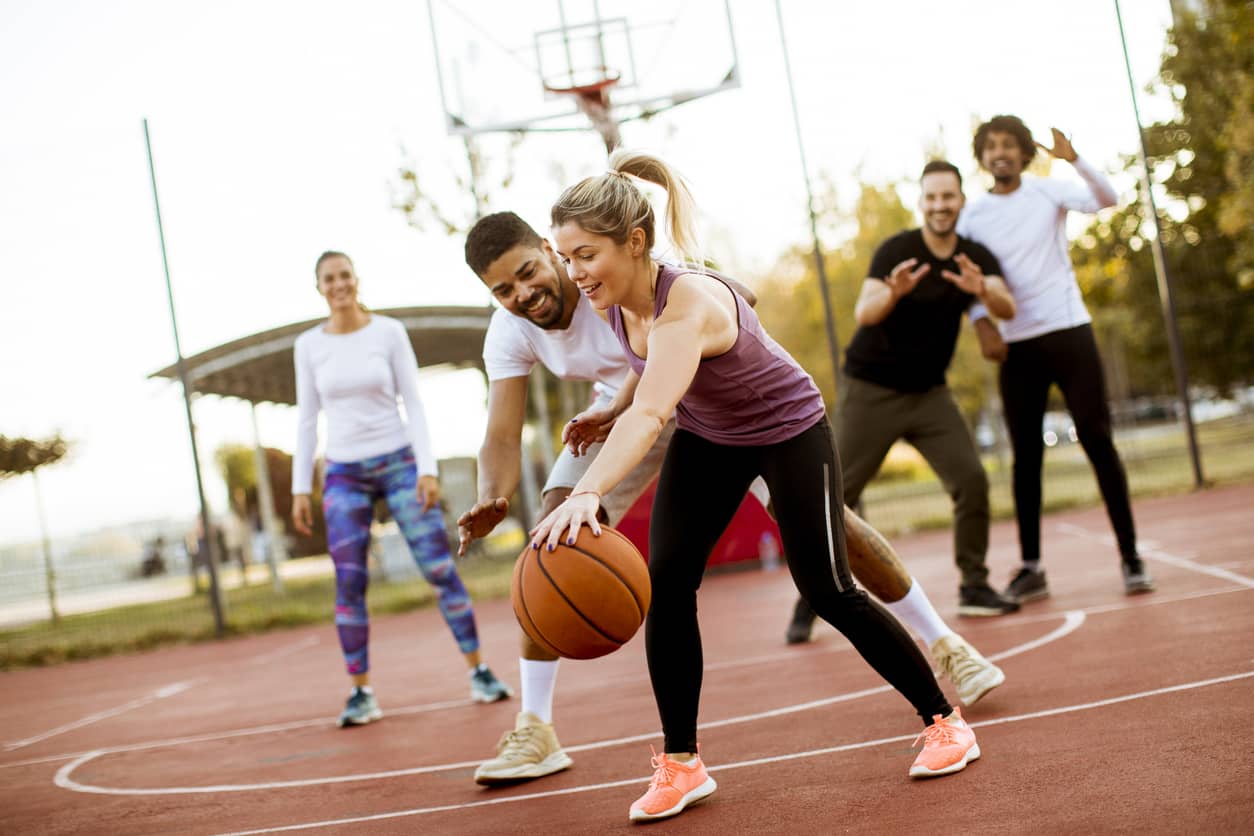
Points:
(594, 100)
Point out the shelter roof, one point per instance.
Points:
(259, 368)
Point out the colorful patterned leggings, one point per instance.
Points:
(348, 504)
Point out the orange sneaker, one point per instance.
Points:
(948, 746)
(675, 785)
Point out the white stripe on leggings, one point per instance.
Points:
(827, 517)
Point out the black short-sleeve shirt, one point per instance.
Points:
(911, 348)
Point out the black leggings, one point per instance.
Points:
(699, 490)
(1070, 359)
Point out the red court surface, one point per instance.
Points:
(1118, 714)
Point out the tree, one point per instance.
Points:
(1203, 161)
(789, 303)
(237, 465)
(415, 200)
(19, 456)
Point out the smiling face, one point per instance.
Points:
(1003, 156)
(941, 201)
(337, 282)
(601, 268)
(527, 280)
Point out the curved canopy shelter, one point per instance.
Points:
(259, 368)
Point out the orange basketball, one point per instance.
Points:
(585, 600)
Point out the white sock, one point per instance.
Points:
(538, 679)
(916, 612)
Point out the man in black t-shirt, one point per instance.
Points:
(909, 311)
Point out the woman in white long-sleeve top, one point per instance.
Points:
(352, 367)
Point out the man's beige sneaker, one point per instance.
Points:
(972, 674)
(529, 751)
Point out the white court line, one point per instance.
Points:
(1147, 550)
(1018, 620)
(1072, 622)
(866, 744)
(203, 738)
(159, 694)
(266, 658)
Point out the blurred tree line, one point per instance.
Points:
(1202, 164)
(790, 307)
(238, 465)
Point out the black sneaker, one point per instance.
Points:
(984, 600)
(802, 623)
(1136, 578)
(1027, 585)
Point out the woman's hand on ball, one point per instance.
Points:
(578, 509)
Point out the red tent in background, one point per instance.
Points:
(740, 542)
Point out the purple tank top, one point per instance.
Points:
(751, 395)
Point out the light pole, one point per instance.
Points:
(1165, 294)
(215, 591)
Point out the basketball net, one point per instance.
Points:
(594, 101)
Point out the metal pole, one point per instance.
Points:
(1165, 294)
(832, 346)
(50, 573)
(275, 550)
(215, 590)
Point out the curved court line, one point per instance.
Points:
(1148, 550)
(159, 694)
(866, 744)
(204, 738)
(1072, 622)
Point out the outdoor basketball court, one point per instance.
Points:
(1118, 714)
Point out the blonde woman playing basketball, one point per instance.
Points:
(743, 407)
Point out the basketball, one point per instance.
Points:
(585, 600)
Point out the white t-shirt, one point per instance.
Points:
(1026, 230)
(586, 350)
(354, 378)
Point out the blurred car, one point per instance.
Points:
(1058, 428)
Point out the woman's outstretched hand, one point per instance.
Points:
(589, 427)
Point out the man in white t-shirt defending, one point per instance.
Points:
(544, 319)
(1022, 220)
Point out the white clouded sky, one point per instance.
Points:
(278, 128)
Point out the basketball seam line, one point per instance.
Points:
(616, 574)
(571, 604)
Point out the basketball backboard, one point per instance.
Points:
(510, 66)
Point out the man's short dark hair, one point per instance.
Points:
(1005, 124)
(934, 166)
(494, 235)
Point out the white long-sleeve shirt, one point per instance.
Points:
(354, 378)
(1026, 230)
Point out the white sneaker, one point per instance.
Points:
(971, 674)
(529, 751)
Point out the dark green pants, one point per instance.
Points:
(873, 417)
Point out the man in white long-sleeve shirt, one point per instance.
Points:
(1022, 220)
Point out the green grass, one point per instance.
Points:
(1156, 465)
(249, 609)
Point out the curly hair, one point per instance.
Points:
(1005, 124)
(494, 235)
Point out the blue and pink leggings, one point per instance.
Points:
(348, 499)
